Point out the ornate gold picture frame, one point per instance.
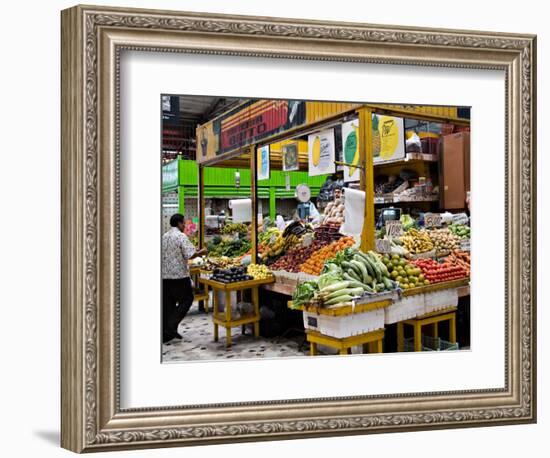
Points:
(92, 40)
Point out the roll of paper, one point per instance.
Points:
(354, 212)
(241, 210)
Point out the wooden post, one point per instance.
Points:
(417, 337)
(228, 318)
(452, 328)
(256, 305)
(254, 198)
(400, 336)
(201, 206)
(215, 311)
(367, 176)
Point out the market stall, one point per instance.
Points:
(360, 193)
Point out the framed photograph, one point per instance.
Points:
(212, 294)
(290, 157)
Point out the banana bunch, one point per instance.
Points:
(277, 247)
(291, 241)
(417, 241)
(269, 235)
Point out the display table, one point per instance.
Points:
(433, 319)
(201, 294)
(371, 342)
(347, 326)
(224, 318)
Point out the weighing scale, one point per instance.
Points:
(303, 194)
(388, 214)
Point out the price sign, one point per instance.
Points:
(383, 246)
(432, 220)
(465, 244)
(394, 229)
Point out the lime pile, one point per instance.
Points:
(403, 272)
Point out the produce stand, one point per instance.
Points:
(225, 319)
(233, 141)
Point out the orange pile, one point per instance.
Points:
(315, 263)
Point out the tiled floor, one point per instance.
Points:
(198, 343)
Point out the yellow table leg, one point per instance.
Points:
(256, 304)
(379, 346)
(452, 328)
(345, 351)
(417, 337)
(435, 330)
(228, 317)
(312, 348)
(400, 336)
(205, 301)
(215, 313)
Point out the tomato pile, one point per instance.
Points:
(436, 272)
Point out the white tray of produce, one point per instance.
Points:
(405, 309)
(439, 300)
(345, 325)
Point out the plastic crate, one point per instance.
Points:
(405, 309)
(430, 344)
(439, 300)
(345, 325)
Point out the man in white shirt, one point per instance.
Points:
(177, 289)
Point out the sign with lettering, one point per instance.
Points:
(383, 246)
(388, 138)
(321, 153)
(394, 229)
(247, 124)
(432, 220)
(465, 244)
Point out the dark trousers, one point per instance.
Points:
(177, 297)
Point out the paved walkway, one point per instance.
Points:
(198, 343)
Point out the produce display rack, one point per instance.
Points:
(323, 116)
(224, 319)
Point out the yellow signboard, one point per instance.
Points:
(388, 138)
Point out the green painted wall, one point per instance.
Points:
(220, 183)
